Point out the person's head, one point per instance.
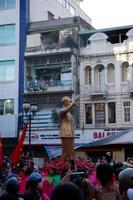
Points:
(12, 185)
(117, 168)
(86, 186)
(104, 173)
(130, 193)
(126, 179)
(66, 191)
(35, 180)
(108, 157)
(23, 167)
(66, 100)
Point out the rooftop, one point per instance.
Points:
(106, 30)
(57, 24)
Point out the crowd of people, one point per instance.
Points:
(65, 180)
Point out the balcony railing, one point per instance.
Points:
(33, 86)
(95, 89)
(125, 87)
(130, 86)
(47, 47)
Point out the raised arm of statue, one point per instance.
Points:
(68, 103)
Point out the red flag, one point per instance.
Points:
(1, 162)
(17, 151)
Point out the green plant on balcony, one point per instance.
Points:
(69, 42)
(55, 117)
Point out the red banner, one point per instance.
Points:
(15, 156)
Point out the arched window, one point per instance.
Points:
(99, 77)
(125, 75)
(88, 75)
(110, 73)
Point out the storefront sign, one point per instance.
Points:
(106, 133)
(51, 137)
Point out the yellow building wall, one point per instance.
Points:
(119, 155)
(80, 154)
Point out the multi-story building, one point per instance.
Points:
(54, 9)
(14, 18)
(12, 40)
(106, 79)
(51, 70)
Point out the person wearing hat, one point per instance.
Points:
(34, 188)
(130, 193)
(67, 128)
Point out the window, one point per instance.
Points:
(67, 5)
(110, 73)
(64, 3)
(111, 112)
(125, 71)
(7, 4)
(60, 1)
(88, 117)
(72, 10)
(88, 75)
(126, 111)
(7, 34)
(7, 70)
(6, 106)
(100, 114)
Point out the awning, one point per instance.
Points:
(119, 138)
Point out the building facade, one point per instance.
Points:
(106, 78)
(54, 9)
(15, 16)
(12, 40)
(51, 68)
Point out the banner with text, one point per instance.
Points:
(51, 137)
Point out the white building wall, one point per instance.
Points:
(39, 10)
(99, 51)
(9, 90)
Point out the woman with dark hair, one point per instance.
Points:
(107, 190)
(66, 191)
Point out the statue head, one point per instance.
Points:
(66, 100)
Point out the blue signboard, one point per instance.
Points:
(54, 151)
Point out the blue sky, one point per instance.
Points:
(109, 13)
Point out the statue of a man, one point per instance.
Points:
(67, 128)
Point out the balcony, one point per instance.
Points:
(49, 43)
(130, 88)
(96, 91)
(47, 86)
(40, 49)
(127, 87)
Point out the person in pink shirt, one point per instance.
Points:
(22, 177)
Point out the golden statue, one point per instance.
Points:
(67, 128)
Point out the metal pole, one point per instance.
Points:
(29, 134)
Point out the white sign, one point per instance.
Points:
(81, 136)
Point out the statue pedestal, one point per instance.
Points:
(68, 152)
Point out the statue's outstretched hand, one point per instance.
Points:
(77, 97)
